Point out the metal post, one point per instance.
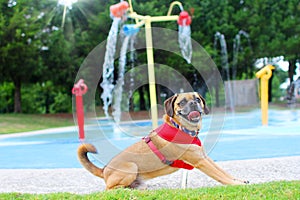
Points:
(151, 73)
(147, 20)
(264, 74)
(64, 17)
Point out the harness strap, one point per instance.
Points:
(175, 163)
(156, 151)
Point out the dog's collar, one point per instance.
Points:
(191, 133)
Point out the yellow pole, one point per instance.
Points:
(264, 74)
(151, 74)
(130, 6)
(64, 17)
(147, 20)
(172, 5)
(134, 15)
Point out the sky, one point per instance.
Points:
(67, 3)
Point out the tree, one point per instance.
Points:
(20, 45)
(290, 29)
(34, 48)
(274, 25)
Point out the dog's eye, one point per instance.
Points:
(198, 100)
(182, 103)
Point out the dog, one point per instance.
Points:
(172, 146)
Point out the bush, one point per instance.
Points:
(45, 98)
(62, 103)
(6, 97)
(33, 99)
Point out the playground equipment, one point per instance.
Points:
(78, 90)
(122, 11)
(264, 74)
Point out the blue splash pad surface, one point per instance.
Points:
(241, 137)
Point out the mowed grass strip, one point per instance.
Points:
(273, 190)
(15, 123)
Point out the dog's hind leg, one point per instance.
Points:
(138, 183)
(123, 176)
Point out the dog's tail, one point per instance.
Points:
(84, 160)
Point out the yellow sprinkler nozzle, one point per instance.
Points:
(264, 74)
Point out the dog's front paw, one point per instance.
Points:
(241, 182)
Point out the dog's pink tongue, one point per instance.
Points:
(193, 114)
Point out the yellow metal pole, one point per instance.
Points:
(64, 17)
(264, 74)
(147, 20)
(151, 74)
(130, 6)
(134, 15)
(264, 100)
(164, 18)
(172, 5)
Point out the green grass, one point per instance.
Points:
(15, 123)
(273, 190)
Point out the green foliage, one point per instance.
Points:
(45, 98)
(19, 41)
(276, 92)
(62, 103)
(279, 77)
(35, 49)
(6, 97)
(36, 98)
(33, 99)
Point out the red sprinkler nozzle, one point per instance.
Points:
(78, 90)
(184, 19)
(119, 9)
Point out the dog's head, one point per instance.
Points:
(187, 109)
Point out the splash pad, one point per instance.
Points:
(120, 13)
(116, 138)
(117, 51)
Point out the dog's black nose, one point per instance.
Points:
(193, 103)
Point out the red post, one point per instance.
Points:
(78, 90)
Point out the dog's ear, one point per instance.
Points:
(169, 105)
(206, 110)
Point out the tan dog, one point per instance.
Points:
(174, 144)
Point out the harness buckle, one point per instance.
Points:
(167, 162)
(147, 139)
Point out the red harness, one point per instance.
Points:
(174, 135)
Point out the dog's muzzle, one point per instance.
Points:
(193, 116)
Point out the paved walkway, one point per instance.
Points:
(81, 182)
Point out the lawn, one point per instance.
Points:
(15, 123)
(273, 190)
